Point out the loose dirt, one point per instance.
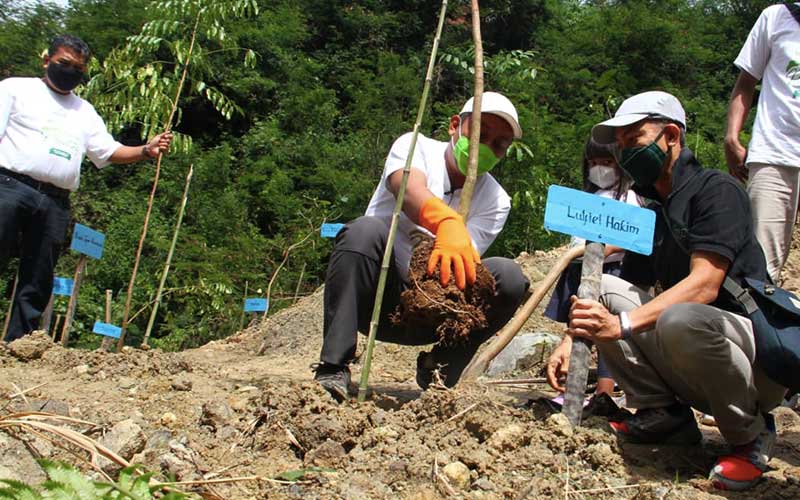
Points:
(224, 410)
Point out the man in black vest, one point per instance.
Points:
(690, 345)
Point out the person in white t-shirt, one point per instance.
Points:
(432, 193)
(45, 131)
(771, 164)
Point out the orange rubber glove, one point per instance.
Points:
(453, 244)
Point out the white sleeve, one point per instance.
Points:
(754, 56)
(487, 216)
(99, 143)
(398, 155)
(6, 101)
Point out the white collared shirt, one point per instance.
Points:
(44, 134)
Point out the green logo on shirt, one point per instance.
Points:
(61, 153)
(793, 74)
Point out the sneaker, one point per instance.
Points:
(669, 425)
(744, 467)
(333, 378)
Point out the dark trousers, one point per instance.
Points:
(33, 225)
(350, 287)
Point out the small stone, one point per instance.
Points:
(168, 419)
(325, 455)
(49, 406)
(385, 433)
(81, 369)
(507, 438)
(247, 388)
(423, 494)
(182, 384)
(559, 424)
(125, 439)
(458, 475)
(159, 440)
(215, 414)
(181, 469)
(227, 433)
(126, 349)
(30, 346)
(126, 383)
(484, 484)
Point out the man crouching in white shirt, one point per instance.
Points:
(45, 131)
(434, 187)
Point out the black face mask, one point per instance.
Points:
(64, 77)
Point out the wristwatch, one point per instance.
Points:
(625, 325)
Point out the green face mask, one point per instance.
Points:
(644, 163)
(486, 157)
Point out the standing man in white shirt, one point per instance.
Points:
(771, 165)
(434, 187)
(45, 131)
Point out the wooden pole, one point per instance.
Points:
(55, 326)
(480, 363)
(106, 344)
(10, 306)
(299, 282)
(241, 320)
(73, 300)
(387, 254)
(475, 117)
(132, 282)
(47, 316)
(168, 262)
(591, 277)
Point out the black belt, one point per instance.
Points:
(42, 187)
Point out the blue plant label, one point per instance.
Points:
(62, 286)
(107, 329)
(599, 219)
(330, 230)
(88, 241)
(256, 305)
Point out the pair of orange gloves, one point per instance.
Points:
(453, 246)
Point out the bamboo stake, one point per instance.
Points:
(73, 300)
(591, 276)
(171, 252)
(55, 326)
(10, 305)
(387, 254)
(299, 283)
(475, 117)
(241, 321)
(47, 316)
(479, 363)
(129, 296)
(107, 340)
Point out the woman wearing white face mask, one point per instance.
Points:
(603, 177)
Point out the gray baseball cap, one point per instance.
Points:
(653, 104)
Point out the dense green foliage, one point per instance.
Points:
(333, 83)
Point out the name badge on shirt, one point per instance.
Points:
(61, 153)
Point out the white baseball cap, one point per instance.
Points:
(653, 104)
(497, 104)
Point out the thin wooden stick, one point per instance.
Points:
(47, 316)
(107, 340)
(26, 391)
(387, 254)
(475, 116)
(479, 363)
(168, 262)
(226, 480)
(608, 489)
(132, 282)
(241, 320)
(55, 326)
(462, 412)
(283, 263)
(73, 300)
(520, 381)
(10, 305)
(299, 282)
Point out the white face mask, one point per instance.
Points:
(603, 176)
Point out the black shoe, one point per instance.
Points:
(333, 378)
(670, 425)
